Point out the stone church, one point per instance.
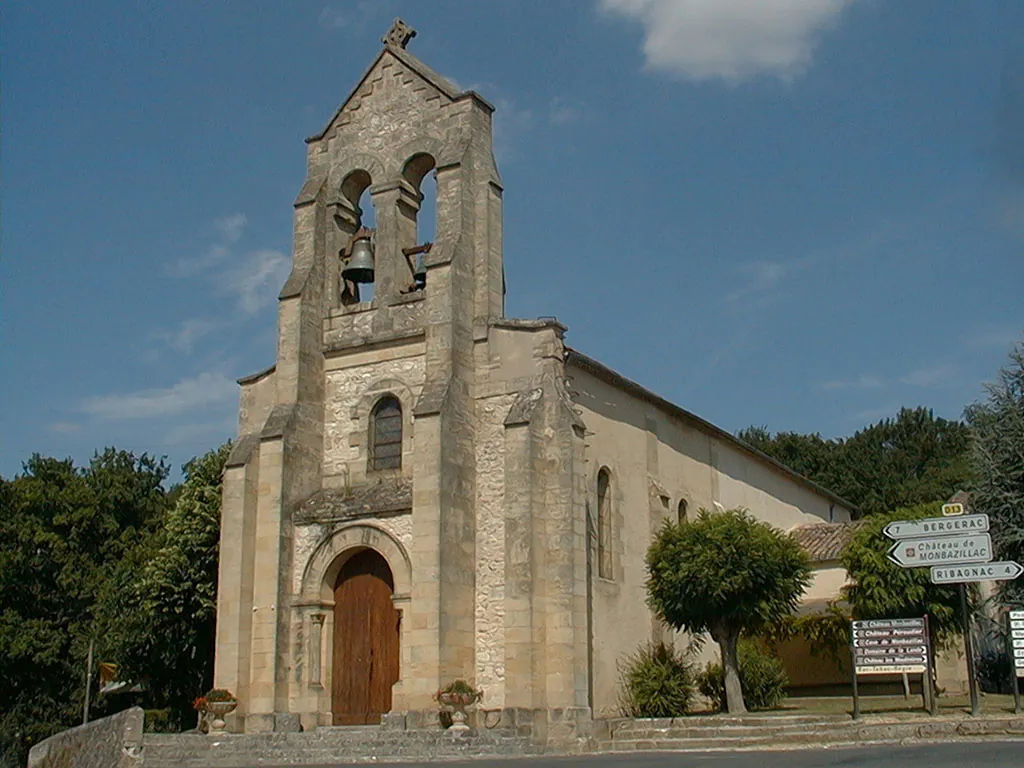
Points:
(423, 489)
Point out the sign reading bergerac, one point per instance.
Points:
(887, 646)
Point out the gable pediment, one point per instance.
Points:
(396, 82)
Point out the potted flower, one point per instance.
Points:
(458, 695)
(218, 703)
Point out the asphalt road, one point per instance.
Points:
(987, 754)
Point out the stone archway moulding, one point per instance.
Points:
(326, 561)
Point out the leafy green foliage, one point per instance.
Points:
(880, 589)
(63, 530)
(159, 608)
(725, 573)
(998, 456)
(762, 675)
(911, 459)
(656, 681)
(826, 632)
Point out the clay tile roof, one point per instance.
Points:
(824, 541)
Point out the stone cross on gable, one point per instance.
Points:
(399, 35)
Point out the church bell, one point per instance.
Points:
(419, 274)
(359, 268)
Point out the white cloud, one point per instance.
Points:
(1000, 338)
(510, 124)
(561, 112)
(732, 40)
(863, 381)
(339, 16)
(255, 279)
(229, 231)
(929, 377)
(208, 432)
(230, 227)
(188, 333)
(332, 18)
(761, 278)
(871, 415)
(65, 427)
(187, 395)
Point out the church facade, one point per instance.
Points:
(423, 489)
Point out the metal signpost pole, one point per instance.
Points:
(969, 648)
(853, 670)
(929, 681)
(88, 685)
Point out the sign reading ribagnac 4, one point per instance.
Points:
(888, 646)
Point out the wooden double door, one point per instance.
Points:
(366, 631)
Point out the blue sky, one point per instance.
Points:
(795, 213)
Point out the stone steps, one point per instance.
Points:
(323, 746)
(640, 736)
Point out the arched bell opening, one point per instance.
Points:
(366, 633)
(358, 273)
(417, 172)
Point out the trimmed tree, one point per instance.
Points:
(725, 573)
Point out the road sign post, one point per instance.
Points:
(891, 646)
(1015, 644)
(972, 677)
(958, 548)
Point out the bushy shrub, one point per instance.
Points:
(762, 676)
(656, 681)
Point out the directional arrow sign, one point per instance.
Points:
(959, 574)
(936, 526)
(942, 550)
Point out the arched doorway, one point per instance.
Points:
(365, 658)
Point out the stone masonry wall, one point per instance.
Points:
(345, 390)
(490, 549)
(110, 742)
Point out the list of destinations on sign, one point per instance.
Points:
(1017, 640)
(887, 646)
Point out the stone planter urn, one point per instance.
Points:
(218, 709)
(458, 696)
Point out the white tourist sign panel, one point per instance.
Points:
(942, 550)
(963, 574)
(889, 646)
(936, 526)
(1017, 640)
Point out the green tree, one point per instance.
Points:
(911, 459)
(725, 573)
(159, 608)
(998, 456)
(62, 531)
(880, 589)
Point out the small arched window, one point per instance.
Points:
(604, 524)
(386, 434)
(682, 511)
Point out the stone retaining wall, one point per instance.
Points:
(110, 742)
